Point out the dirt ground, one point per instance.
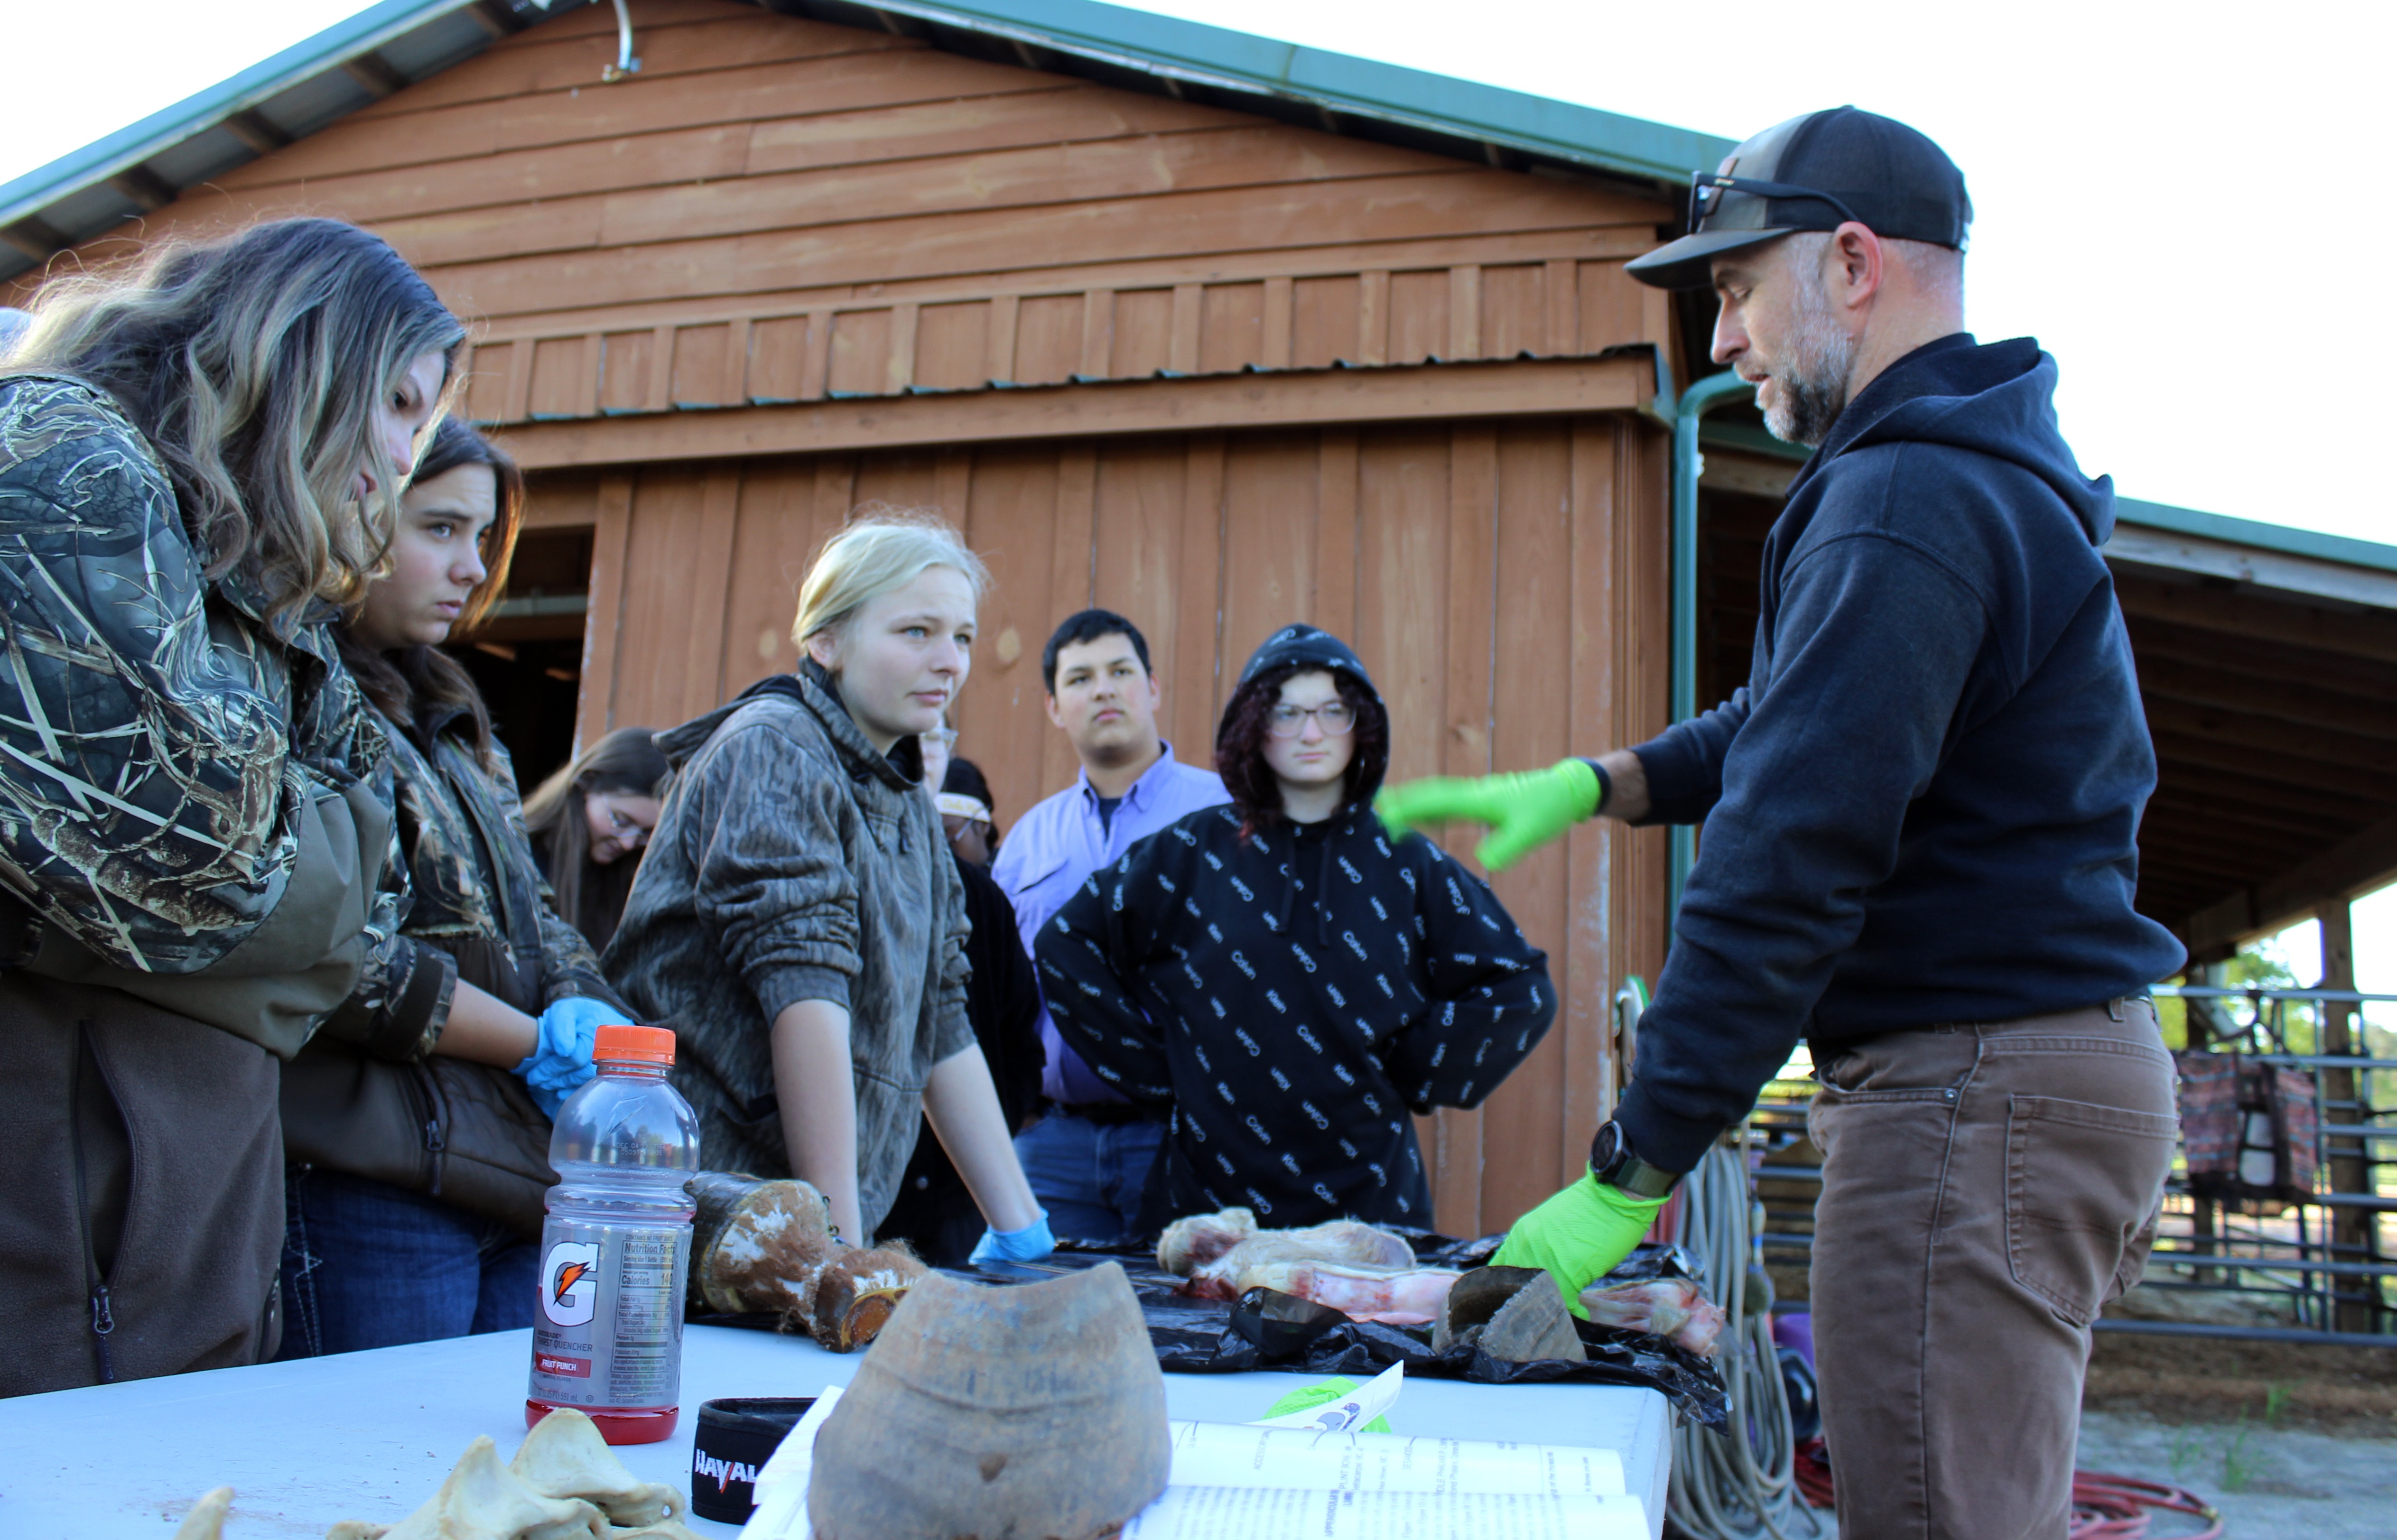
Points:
(2350, 1391)
(2269, 1482)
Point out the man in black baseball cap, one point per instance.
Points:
(1920, 852)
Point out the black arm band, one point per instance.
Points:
(1605, 786)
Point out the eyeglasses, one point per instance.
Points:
(1707, 186)
(1335, 717)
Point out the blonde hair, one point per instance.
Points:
(887, 548)
(253, 364)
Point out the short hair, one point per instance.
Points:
(889, 548)
(1088, 625)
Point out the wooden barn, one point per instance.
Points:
(1216, 331)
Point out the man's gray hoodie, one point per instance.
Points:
(1923, 807)
(792, 862)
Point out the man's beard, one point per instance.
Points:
(1814, 383)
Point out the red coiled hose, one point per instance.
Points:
(2103, 1507)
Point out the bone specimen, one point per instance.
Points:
(1667, 1307)
(768, 1246)
(565, 1485)
(565, 1456)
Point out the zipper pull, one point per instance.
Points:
(103, 1321)
(433, 1141)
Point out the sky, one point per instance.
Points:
(2171, 197)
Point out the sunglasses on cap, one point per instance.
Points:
(1706, 187)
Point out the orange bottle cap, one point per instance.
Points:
(648, 1045)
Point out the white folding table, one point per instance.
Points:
(370, 1434)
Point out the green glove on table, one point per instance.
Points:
(1578, 1235)
(1524, 811)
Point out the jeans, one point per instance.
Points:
(1089, 1175)
(368, 1265)
(1987, 1190)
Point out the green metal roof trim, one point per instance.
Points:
(1111, 40)
(2278, 538)
(1222, 59)
(128, 147)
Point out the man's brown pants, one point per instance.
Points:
(1985, 1190)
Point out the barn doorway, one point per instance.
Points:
(526, 657)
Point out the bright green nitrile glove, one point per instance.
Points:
(1578, 1235)
(1319, 1395)
(1524, 811)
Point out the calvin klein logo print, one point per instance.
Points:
(1311, 1039)
(1248, 1042)
(1242, 964)
(1303, 960)
(1314, 1114)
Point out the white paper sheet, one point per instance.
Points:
(1235, 1455)
(1212, 1513)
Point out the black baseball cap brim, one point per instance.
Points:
(1689, 262)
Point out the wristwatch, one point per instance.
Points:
(1610, 1161)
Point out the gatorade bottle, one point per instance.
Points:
(615, 1253)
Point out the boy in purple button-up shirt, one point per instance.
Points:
(1089, 1157)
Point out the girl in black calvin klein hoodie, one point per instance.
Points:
(1293, 990)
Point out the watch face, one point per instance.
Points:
(1609, 1148)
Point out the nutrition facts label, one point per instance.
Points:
(648, 1320)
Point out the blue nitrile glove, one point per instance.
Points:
(1028, 1244)
(561, 1055)
(1524, 811)
(1578, 1235)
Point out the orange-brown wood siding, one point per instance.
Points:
(1504, 581)
(776, 209)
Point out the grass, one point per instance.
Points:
(2238, 1468)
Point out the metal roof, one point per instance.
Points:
(396, 43)
(2300, 562)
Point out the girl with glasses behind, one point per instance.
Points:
(1285, 978)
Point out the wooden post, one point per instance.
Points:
(2354, 1233)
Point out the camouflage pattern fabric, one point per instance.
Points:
(158, 739)
(473, 880)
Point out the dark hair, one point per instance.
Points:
(589, 895)
(253, 364)
(1090, 625)
(416, 688)
(1240, 746)
(965, 777)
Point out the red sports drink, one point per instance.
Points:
(615, 1253)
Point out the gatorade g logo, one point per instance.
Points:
(570, 1282)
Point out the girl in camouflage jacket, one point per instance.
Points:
(799, 920)
(195, 806)
(419, 1157)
